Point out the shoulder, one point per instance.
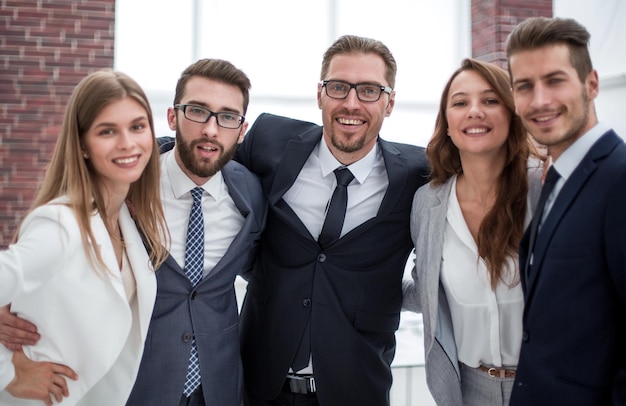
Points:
(279, 127)
(414, 155)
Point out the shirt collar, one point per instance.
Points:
(574, 154)
(360, 169)
(181, 183)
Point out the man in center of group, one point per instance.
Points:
(319, 318)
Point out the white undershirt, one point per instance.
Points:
(487, 325)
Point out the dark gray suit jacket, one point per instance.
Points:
(209, 310)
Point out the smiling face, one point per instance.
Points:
(202, 149)
(478, 121)
(553, 103)
(118, 145)
(351, 126)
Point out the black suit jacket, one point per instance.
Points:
(574, 340)
(350, 293)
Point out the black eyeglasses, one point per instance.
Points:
(200, 114)
(366, 92)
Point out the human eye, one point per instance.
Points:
(519, 87)
(337, 87)
(229, 117)
(106, 131)
(492, 100)
(196, 110)
(458, 103)
(369, 90)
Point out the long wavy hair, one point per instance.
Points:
(502, 228)
(69, 175)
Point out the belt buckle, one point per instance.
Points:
(492, 373)
(301, 384)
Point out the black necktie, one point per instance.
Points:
(551, 178)
(331, 230)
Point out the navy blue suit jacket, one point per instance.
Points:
(350, 293)
(209, 310)
(574, 340)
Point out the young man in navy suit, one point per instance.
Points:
(319, 317)
(574, 276)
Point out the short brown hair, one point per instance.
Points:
(538, 32)
(351, 44)
(216, 69)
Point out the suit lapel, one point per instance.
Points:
(397, 173)
(293, 159)
(571, 189)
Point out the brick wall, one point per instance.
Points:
(46, 47)
(493, 21)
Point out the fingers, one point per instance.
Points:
(15, 332)
(64, 370)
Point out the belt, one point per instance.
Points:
(498, 372)
(303, 384)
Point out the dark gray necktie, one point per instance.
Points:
(551, 178)
(331, 230)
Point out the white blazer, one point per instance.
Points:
(83, 315)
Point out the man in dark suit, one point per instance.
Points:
(319, 317)
(574, 268)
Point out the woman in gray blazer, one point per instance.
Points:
(466, 225)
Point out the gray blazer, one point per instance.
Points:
(208, 310)
(425, 293)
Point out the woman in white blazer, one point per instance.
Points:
(466, 225)
(78, 268)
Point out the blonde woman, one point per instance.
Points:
(79, 268)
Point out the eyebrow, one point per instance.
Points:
(546, 76)
(221, 109)
(486, 91)
(111, 124)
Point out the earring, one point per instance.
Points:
(85, 156)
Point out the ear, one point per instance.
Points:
(319, 96)
(171, 118)
(593, 84)
(391, 103)
(242, 132)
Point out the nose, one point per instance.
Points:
(476, 111)
(352, 100)
(540, 96)
(125, 140)
(210, 128)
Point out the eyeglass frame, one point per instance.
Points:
(384, 89)
(183, 108)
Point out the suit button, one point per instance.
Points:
(187, 337)
(193, 295)
(525, 336)
(306, 302)
(321, 257)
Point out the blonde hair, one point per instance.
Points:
(69, 175)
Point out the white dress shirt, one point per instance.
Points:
(222, 219)
(571, 158)
(487, 324)
(310, 194)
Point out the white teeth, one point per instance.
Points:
(542, 119)
(209, 148)
(476, 130)
(125, 161)
(349, 122)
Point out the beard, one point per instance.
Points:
(202, 167)
(348, 145)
